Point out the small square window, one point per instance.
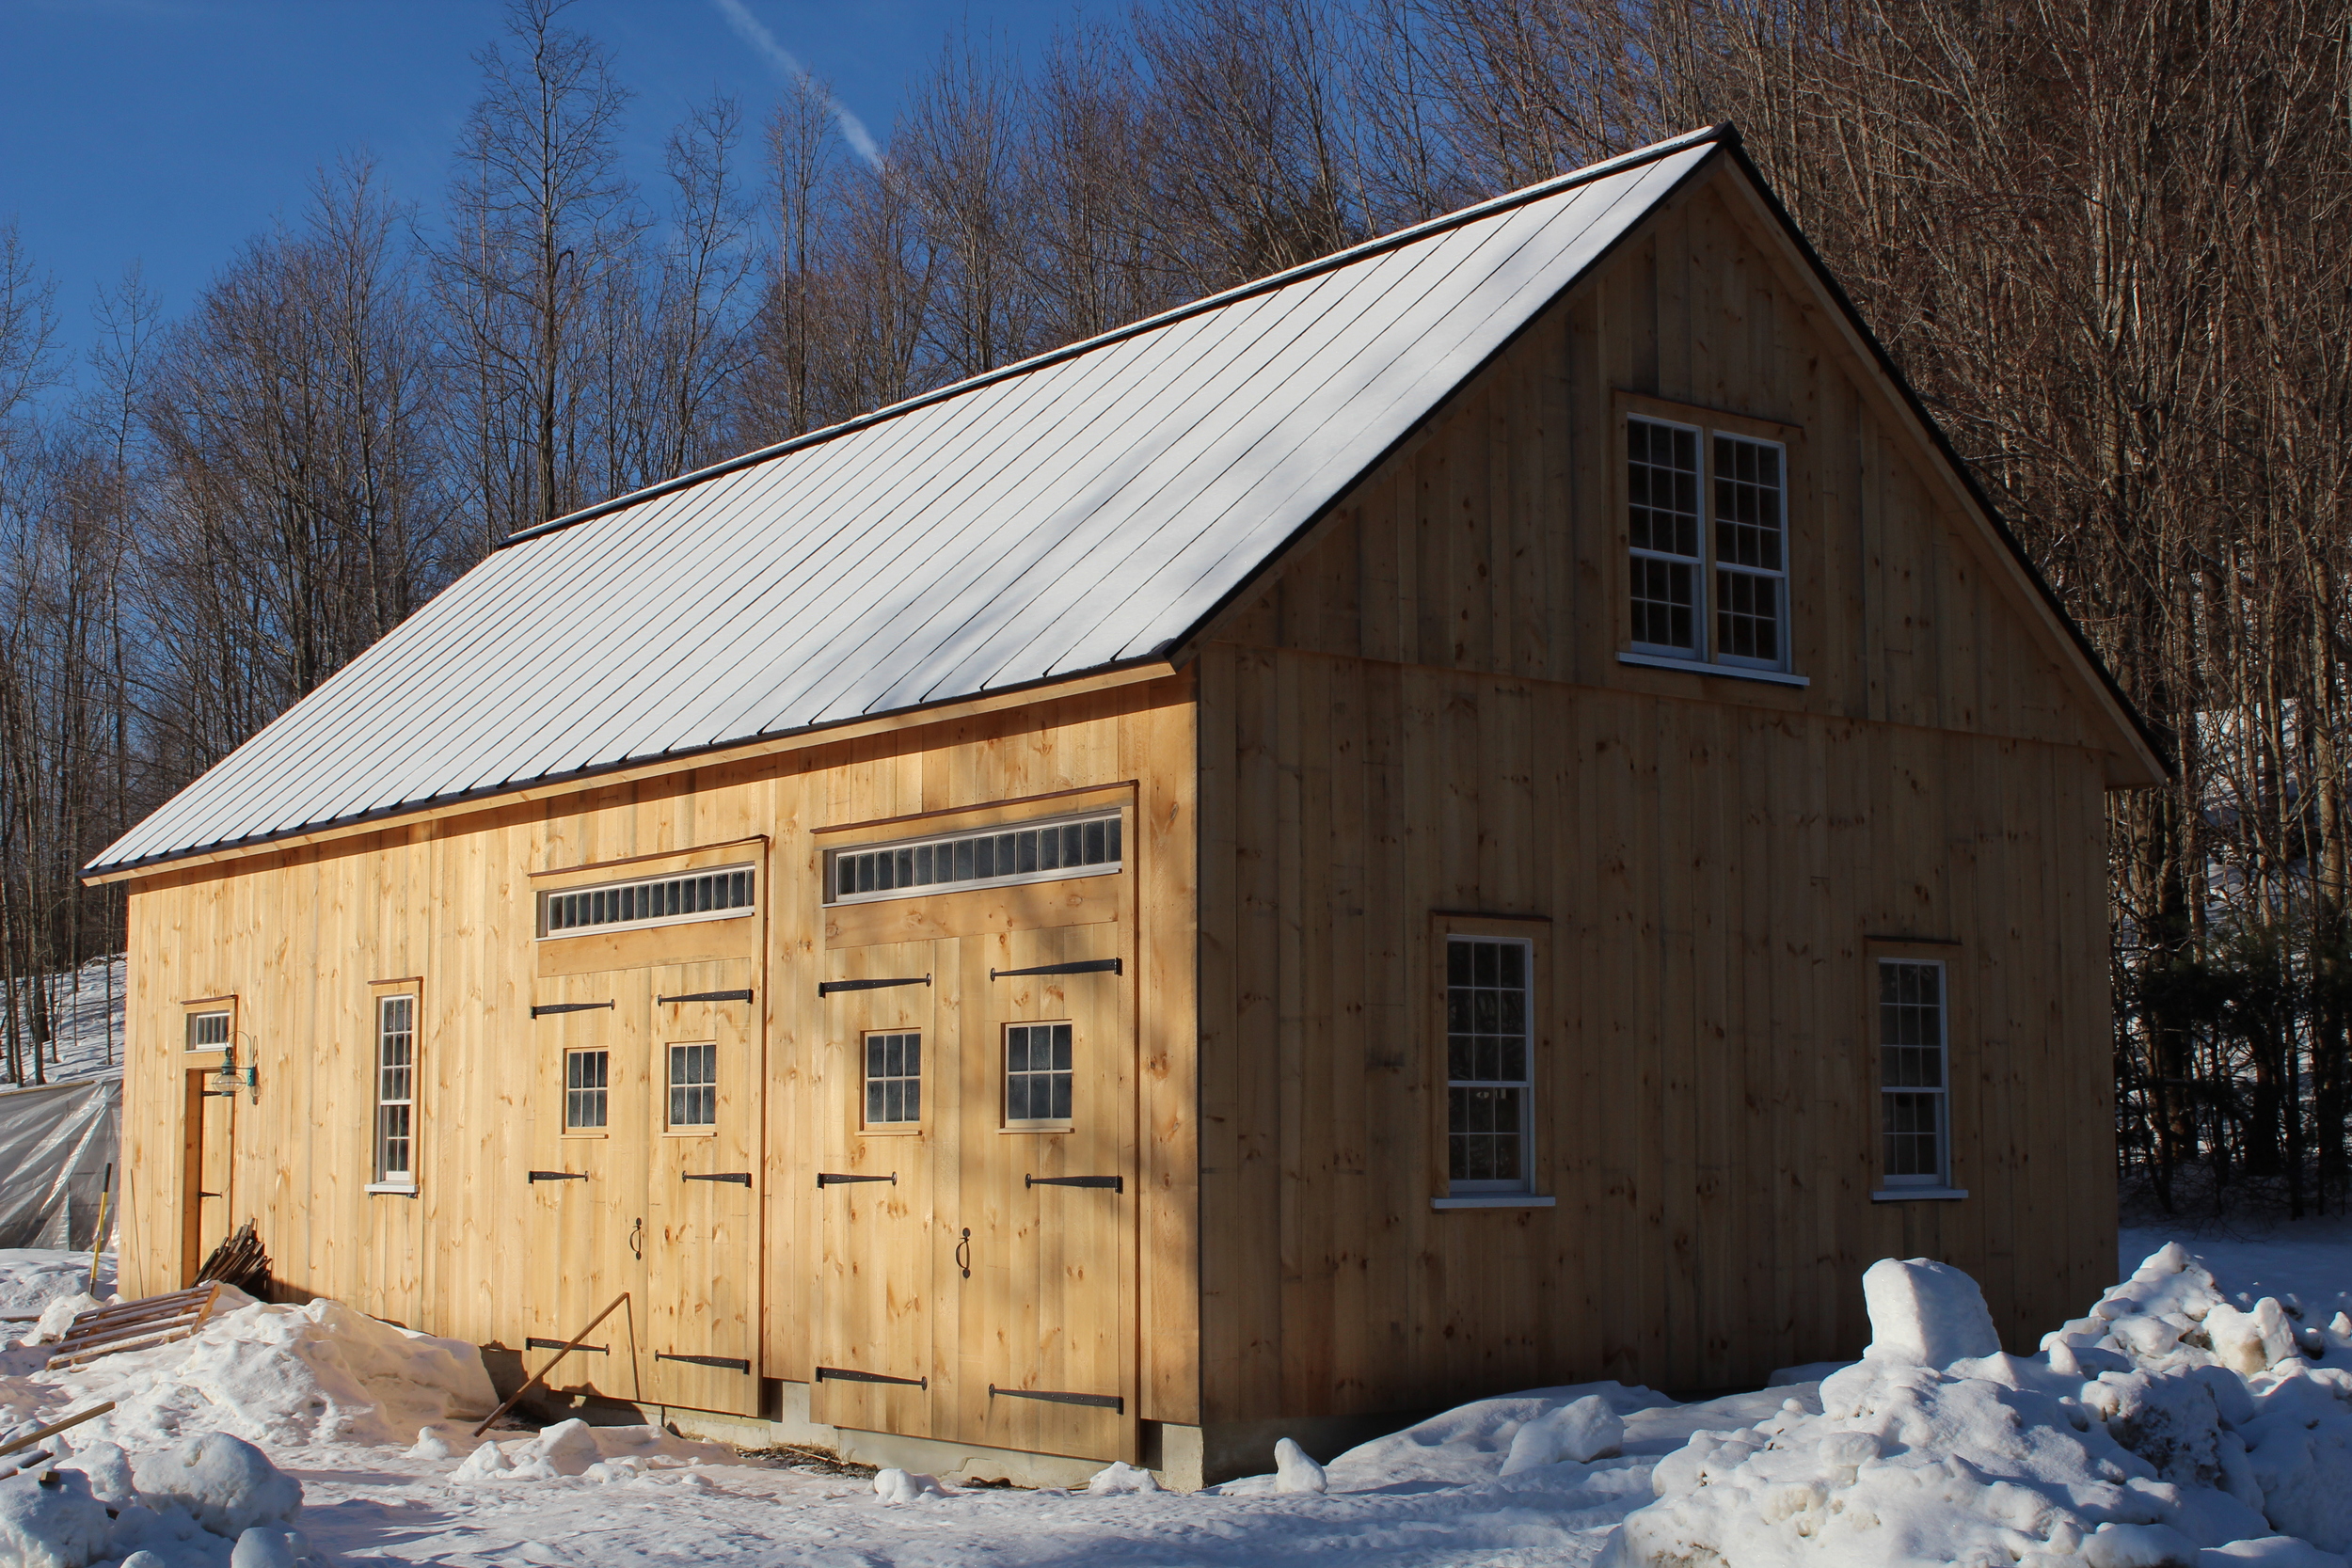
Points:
(585, 1085)
(208, 1030)
(694, 1086)
(1036, 1073)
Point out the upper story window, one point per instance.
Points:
(208, 1030)
(982, 857)
(722, 894)
(1707, 525)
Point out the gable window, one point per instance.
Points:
(1706, 529)
(1488, 1078)
(724, 894)
(988, 857)
(1914, 1106)
(894, 1077)
(395, 1090)
(208, 1030)
(586, 1075)
(694, 1086)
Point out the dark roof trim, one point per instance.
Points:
(1117, 335)
(2156, 744)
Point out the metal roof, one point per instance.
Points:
(1079, 510)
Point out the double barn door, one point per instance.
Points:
(978, 1191)
(645, 1178)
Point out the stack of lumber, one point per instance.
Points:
(134, 1325)
(239, 1261)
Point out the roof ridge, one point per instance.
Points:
(1723, 132)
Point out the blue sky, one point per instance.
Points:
(168, 130)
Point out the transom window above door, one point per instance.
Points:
(726, 893)
(1039, 852)
(1707, 532)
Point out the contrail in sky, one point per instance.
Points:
(756, 33)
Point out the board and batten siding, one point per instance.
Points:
(297, 937)
(1425, 714)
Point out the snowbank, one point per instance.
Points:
(576, 1449)
(2170, 1425)
(282, 1376)
(211, 1503)
(32, 1277)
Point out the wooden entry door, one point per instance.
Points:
(1046, 1188)
(702, 1196)
(206, 1169)
(588, 1181)
(877, 1362)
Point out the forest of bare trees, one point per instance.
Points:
(2107, 239)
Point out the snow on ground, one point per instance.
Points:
(89, 1004)
(32, 1277)
(2184, 1420)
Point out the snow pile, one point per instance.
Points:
(900, 1486)
(576, 1449)
(32, 1277)
(2168, 1427)
(1580, 1431)
(57, 1317)
(212, 1502)
(286, 1376)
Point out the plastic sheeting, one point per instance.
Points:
(55, 1143)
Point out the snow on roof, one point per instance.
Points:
(1079, 510)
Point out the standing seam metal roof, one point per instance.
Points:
(1080, 511)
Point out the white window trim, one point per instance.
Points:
(188, 1043)
(744, 911)
(387, 1180)
(1704, 658)
(1018, 879)
(1896, 1189)
(1496, 1193)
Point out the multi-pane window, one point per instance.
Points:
(1033, 852)
(1488, 1069)
(208, 1031)
(586, 1082)
(1913, 1098)
(1037, 1073)
(395, 1089)
(894, 1077)
(660, 901)
(694, 1086)
(1707, 525)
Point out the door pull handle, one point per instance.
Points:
(964, 1253)
(637, 1240)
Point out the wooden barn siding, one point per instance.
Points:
(298, 936)
(1427, 713)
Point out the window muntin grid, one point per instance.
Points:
(1912, 1072)
(208, 1031)
(986, 857)
(395, 1089)
(1662, 525)
(1037, 1075)
(894, 1077)
(694, 1085)
(1490, 1070)
(722, 894)
(587, 1076)
(1751, 570)
(1707, 573)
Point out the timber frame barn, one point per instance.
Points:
(1492, 811)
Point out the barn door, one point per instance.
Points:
(875, 1369)
(1045, 1191)
(205, 1169)
(702, 1198)
(587, 1180)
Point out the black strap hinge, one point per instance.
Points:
(1089, 966)
(1100, 1401)
(539, 1176)
(826, 988)
(740, 1178)
(1116, 1183)
(534, 1343)
(546, 1007)
(724, 1363)
(708, 996)
(834, 1179)
(843, 1374)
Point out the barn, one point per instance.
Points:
(1495, 810)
